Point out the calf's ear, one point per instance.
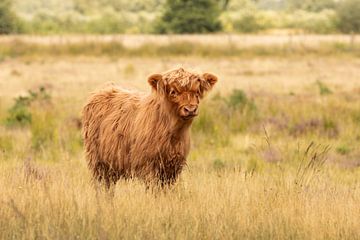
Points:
(208, 81)
(156, 82)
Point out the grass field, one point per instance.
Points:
(275, 150)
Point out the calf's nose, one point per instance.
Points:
(190, 110)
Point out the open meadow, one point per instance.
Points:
(275, 149)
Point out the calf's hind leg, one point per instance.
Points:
(105, 175)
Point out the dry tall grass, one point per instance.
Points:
(133, 41)
(204, 205)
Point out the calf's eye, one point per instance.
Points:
(173, 93)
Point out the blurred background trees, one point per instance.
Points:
(187, 16)
(349, 16)
(9, 23)
(178, 16)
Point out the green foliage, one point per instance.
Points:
(239, 100)
(50, 134)
(330, 127)
(323, 88)
(218, 164)
(186, 16)
(320, 22)
(84, 16)
(9, 23)
(254, 20)
(179, 16)
(20, 114)
(343, 149)
(107, 24)
(349, 16)
(249, 22)
(311, 5)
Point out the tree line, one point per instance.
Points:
(201, 16)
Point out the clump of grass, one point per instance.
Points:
(218, 164)
(6, 146)
(324, 126)
(271, 154)
(19, 113)
(343, 149)
(44, 131)
(254, 164)
(356, 116)
(221, 116)
(31, 171)
(208, 129)
(330, 127)
(241, 111)
(323, 88)
(238, 99)
(205, 122)
(311, 163)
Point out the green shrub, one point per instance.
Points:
(319, 22)
(239, 100)
(9, 23)
(107, 24)
(19, 114)
(251, 22)
(43, 23)
(247, 23)
(311, 5)
(349, 16)
(185, 16)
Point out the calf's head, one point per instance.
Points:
(183, 90)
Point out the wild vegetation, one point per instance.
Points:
(180, 16)
(175, 46)
(274, 150)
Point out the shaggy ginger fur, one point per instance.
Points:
(131, 134)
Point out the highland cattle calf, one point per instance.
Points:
(130, 134)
